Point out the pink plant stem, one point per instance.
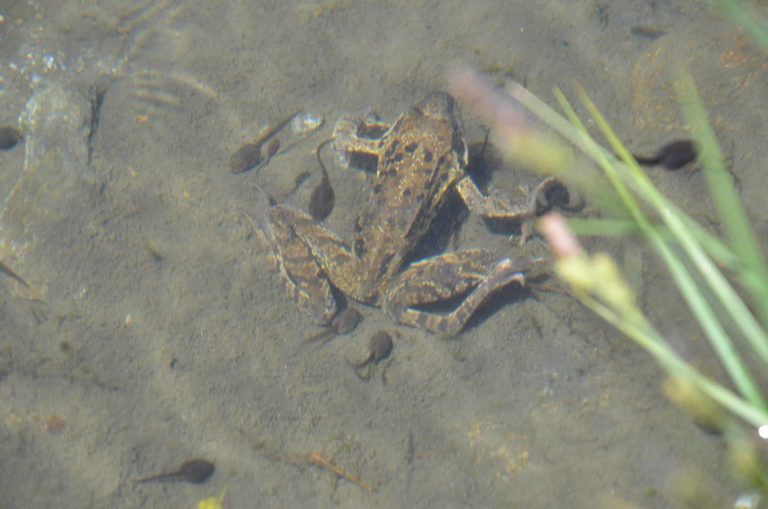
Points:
(483, 98)
(561, 239)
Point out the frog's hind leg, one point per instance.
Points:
(292, 261)
(447, 276)
(335, 259)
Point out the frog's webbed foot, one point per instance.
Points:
(292, 261)
(358, 135)
(446, 276)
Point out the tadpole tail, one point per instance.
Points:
(320, 336)
(320, 159)
(647, 161)
(160, 477)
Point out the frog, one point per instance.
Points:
(420, 158)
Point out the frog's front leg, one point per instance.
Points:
(358, 135)
(494, 207)
(443, 277)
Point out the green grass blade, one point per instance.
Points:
(738, 14)
(593, 227)
(700, 308)
(727, 200)
(647, 337)
(644, 188)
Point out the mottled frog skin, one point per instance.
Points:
(420, 158)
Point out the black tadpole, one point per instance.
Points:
(195, 471)
(379, 347)
(672, 156)
(343, 323)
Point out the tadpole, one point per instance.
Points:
(379, 347)
(195, 471)
(246, 157)
(249, 155)
(672, 156)
(343, 323)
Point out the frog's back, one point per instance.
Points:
(418, 163)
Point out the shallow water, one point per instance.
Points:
(153, 331)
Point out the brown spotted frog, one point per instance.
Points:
(419, 159)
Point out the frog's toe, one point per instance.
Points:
(319, 308)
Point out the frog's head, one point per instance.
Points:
(442, 107)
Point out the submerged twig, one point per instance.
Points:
(11, 274)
